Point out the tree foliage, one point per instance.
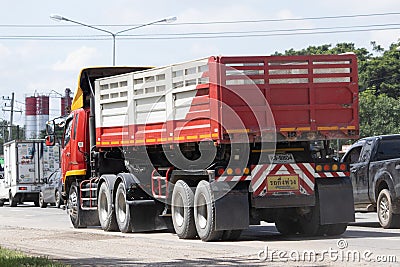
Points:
(379, 114)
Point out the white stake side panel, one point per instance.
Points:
(147, 97)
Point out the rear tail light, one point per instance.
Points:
(23, 188)
(231, 171)
(331, 167)
(220, 171)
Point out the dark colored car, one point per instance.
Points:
(50, 192)
(375, 174)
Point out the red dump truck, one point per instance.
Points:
(212, 146)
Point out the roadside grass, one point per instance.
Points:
(15, 258)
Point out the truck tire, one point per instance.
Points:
(336, 229)
(1, 202)
(75, 213)
(385, 211)
(58, 199)
(12, 200)
(287, 226)
(204, 213)
(42, 204)
(309, 223)
(105, 209)
(231, 235)
(122, 210)
(182, 203)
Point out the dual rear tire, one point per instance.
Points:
(193, 213)
(182, 210)
(110, 219)
(105, 209)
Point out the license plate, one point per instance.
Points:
(281, 183)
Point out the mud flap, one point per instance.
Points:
(145, 216)
(336, 203)
(231, 206)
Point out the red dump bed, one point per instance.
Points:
(229, 98)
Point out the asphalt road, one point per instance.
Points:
(49, 232)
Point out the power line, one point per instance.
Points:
(212, 22)
(265, 31)
(209, 35)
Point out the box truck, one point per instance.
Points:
(26, 163)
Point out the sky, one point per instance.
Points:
(43, 56)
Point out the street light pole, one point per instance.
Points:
(113, 34)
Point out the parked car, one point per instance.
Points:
(375, 174)
(50, 192)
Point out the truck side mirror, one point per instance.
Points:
(45, 180)
(50, 140)
(50, 128)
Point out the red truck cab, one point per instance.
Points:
(74, 144)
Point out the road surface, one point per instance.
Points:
(49, 232)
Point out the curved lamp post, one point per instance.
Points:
(113, 34)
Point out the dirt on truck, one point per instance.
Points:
(210, 146)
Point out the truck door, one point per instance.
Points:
(73, 156)
(359, 171)
(66, 144)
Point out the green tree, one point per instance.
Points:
(379, 114)
(382, 72)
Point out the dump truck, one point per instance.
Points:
(26, 164)
(211, 146)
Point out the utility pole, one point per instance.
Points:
(11, 114)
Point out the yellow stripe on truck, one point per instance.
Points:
(76, 173)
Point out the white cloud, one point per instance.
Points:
(4, 51)
(204, 50)
(76, 59)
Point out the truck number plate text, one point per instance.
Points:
(282, 183)
(281, 158)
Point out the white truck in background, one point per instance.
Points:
(26, 164)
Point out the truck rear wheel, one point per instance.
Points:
(287, 226)
(75, 213)
(336, 229)
(385, 211)
(182, 210)
(106, 212)
(309, 223)
(231, 235)
(204, 213)
(122, 210)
